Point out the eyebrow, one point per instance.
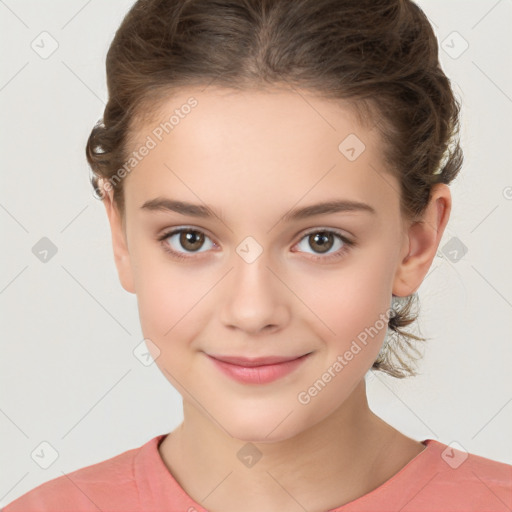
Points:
(204, 211)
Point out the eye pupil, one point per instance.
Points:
(322, 239)
(191, 237)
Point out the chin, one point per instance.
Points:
(271, 428)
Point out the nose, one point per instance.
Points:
(256, 300)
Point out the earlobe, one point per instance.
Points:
(422, 241)
(119, 243)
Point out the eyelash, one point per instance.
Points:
(348, 244)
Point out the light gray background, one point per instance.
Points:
(68, 373)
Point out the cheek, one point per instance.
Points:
(353, 314)
(353, 297)
(168, 317)
(171, 298)
(352, 303)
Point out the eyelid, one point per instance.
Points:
(170, 231)
(348, 241)
(319, 229)
(166, 233)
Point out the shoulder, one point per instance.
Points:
(442, 477)
(454, 479)
(106, 485)
(458, 465)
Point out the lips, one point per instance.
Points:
(257, 371)
(255, 361)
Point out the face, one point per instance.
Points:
(256, 278)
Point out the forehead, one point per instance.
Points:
(222, 111)
(272, 144)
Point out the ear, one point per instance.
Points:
(421, 242)
(119, 242)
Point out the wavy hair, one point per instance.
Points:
(379, 56)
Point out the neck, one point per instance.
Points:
(333, 462)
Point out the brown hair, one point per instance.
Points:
(379, 56)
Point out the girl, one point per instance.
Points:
(275, 174)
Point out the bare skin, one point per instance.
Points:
(254, 157)
(288, 477)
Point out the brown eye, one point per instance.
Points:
(321, 241)
(185, 241)
(191, 240)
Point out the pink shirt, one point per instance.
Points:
(439, 478)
